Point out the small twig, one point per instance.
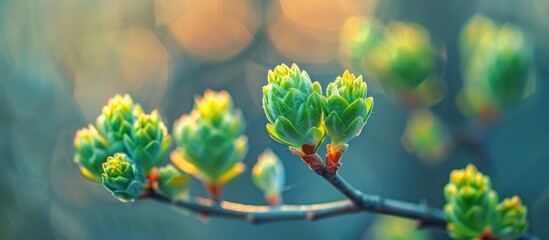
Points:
(357, 202)
(262, 214)
(377, 204)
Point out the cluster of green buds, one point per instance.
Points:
(348, 110)
(497, 67)
(472, 209)
(124, 132)
(94, 146)
(299, 116)
(268, 175)
(122, 177)
(210, 144)
(402, 57)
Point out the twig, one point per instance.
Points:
(262, 214)
(376, 204)
(357, 202)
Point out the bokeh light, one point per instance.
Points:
(308, 31)
(121, 59)
(214, 29)
(61, 61)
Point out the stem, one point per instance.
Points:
(262, 214)
(356, 202)
(377, 204)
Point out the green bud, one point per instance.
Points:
(147, 140)
(470, 204)
(116, 120)
(294, 107)
(498, 67)
(404, 59)
(210, 144)
(268, 175)
(395, 228)
(122, 178)
(509, 65)
(413, 58)
(427, 136)
(511, 219)
(359, 36)
(172, 183)
(91, 152)
(348, 108)
(478, 34)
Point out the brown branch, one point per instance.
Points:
(262, 214)
(357, 202)
(376, 204)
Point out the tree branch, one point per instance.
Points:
(357, 202)
(376, 204)
(262, 214)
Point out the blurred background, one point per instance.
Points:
(61, 60)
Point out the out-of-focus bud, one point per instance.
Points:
(511, 219)
(294, 107)
(91, 152)
(269, 176)
(147, 141)
(427, 136)
(116, 120)
(172, 183)
(359, 36)
(470, 204)
(395, 228)
(122, 177)
(406, 58)
(402, 58)
(478, 34)
(210, 141)
(510, 66)
(497, 67)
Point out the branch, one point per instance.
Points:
(265, 214)
(262, 214)
(376, 204)
(357, 202)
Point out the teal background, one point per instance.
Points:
(42, 195)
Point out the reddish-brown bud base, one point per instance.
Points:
(152, 183)
(273, 200)
(307, 154)
(487, 235)
(333, 154)
(214, 190)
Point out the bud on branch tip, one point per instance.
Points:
(473, 212)
(210, 143)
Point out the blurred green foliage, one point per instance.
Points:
(62, 60)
